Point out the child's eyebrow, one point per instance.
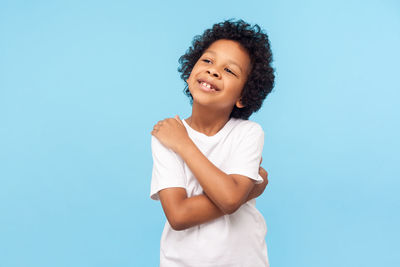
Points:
(229, 61)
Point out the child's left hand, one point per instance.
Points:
(171, 133)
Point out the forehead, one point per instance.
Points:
(230, 51)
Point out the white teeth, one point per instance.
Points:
(207, 85)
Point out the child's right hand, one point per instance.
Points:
(258, 189)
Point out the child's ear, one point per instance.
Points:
(239, 103)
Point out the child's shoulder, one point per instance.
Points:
(247, 125)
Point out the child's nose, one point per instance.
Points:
(213, 72)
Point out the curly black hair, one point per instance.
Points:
(261, 79)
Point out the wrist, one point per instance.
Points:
(183, 144)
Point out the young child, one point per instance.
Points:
(206, 168)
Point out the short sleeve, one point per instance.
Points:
(168, 169)
(246, 155)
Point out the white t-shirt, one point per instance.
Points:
(232, 240)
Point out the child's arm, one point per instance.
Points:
(258, 189)
(227, 191)
(183, 212)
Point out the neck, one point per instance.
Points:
(207, 121)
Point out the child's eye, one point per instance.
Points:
(230, 71)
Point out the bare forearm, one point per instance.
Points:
(200, 209)
(219, 186)
(183, 212)
(197, 210)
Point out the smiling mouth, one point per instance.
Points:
(207, 87)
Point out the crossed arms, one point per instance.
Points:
(223, 193)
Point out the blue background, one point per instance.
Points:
(82, 84)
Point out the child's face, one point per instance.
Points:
(225, 64)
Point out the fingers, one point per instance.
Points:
(165, 121)
(261, 160)
(159, 124)
(156, 127)
(263, 173)
(178, 119)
